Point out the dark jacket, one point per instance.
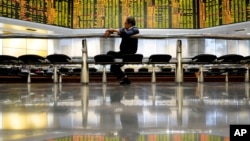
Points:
(128, 45)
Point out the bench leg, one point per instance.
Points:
(29, 77)
(226, 77)
(60, 78)
(201, 76)
(55, 78)
(153, 77)
(104, 74)
(247, 74)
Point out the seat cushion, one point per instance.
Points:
(31, 58)
(104, 58)
(129, 70)
(58, 58)
(206, 58)
(132, 58)
(5, 59)
(160, 58)
(230, 58)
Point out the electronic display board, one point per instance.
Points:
(221, 12)
(151, 14)
(148, 13)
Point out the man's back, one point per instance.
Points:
(128, 45)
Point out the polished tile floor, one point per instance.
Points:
(111, 112)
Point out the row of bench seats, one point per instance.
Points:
(229, 58)
(200, 59)
(35, 59)
(104, 59)
(126, 59)
(32, 59)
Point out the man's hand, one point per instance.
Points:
(110, 31)
(107, 33)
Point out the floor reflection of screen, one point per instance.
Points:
(23, 120)
(148, 137)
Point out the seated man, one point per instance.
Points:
(127, 46)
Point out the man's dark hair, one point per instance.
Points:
(131, 20)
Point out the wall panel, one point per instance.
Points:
(14, 51)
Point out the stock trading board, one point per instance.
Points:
(222, 12)
(152, 14)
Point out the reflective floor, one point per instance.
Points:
(110, 112)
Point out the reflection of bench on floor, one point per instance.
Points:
(135, 77)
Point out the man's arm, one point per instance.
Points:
(128, 33)
(122, 32)
(111, 31)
